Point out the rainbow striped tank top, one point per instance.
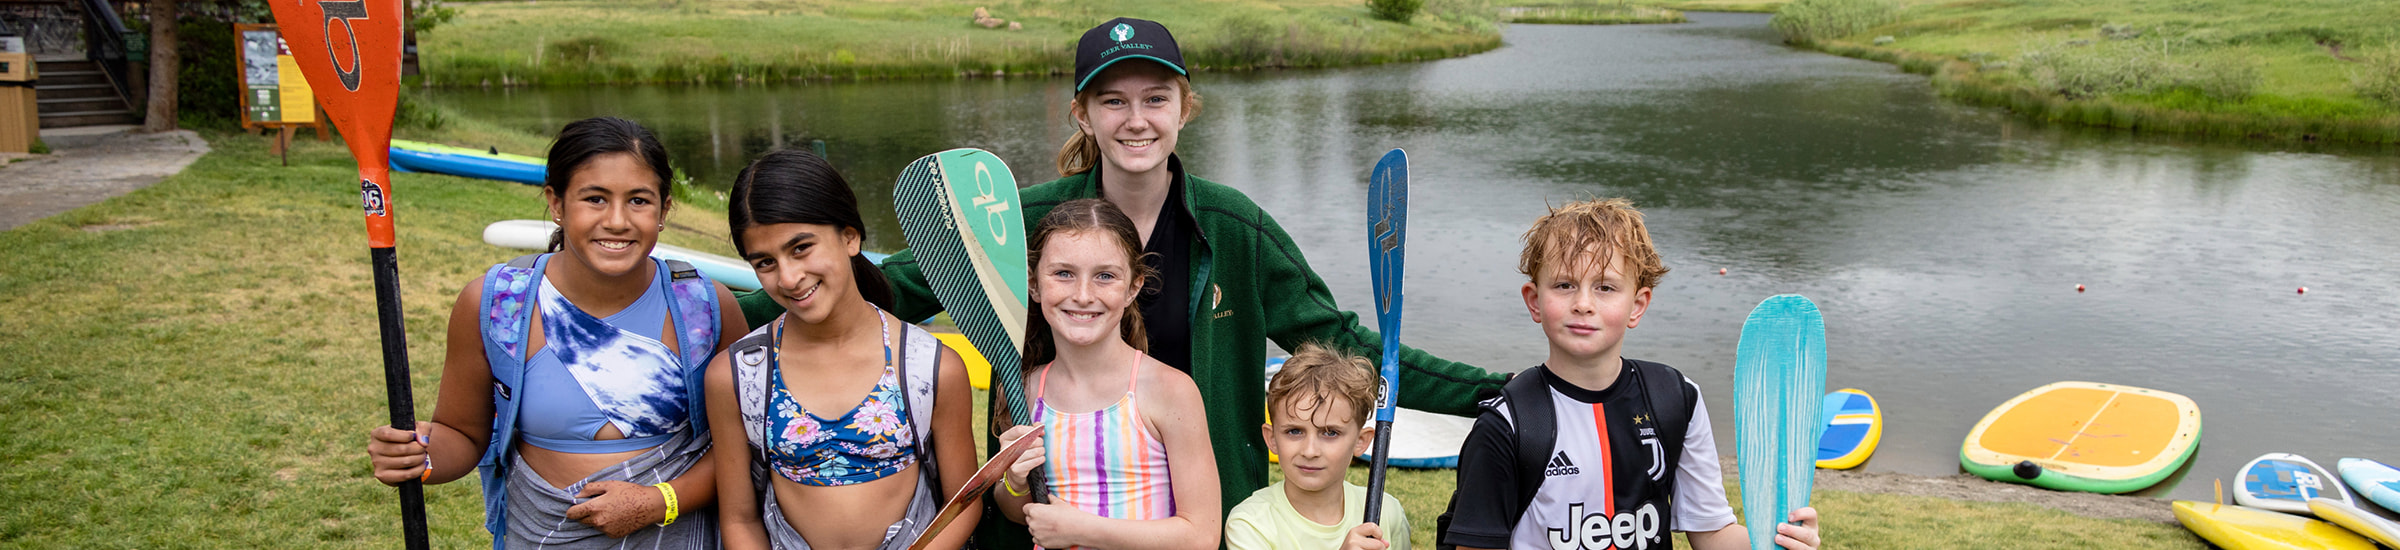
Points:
(1105, 461)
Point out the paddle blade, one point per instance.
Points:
(1387, 233)
(350, 53)
(960, 212)
(1779, 389)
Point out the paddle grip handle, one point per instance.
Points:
(396, 384)
(1383, 447)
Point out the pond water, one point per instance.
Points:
(1943, 242)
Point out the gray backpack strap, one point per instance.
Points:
(750, 395)
(919, 382)
(525, 262)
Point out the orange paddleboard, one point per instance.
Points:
(2084, 436)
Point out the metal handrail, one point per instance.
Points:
(104, 45)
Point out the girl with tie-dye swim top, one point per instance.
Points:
(570, 380)
(842, 426)
(1125, 442)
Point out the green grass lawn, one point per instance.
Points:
(195, 364)
(2162, 56)
(556, 42)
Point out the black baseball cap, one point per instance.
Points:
(1121, 39)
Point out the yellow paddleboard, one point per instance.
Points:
(2243, 528)
(2357, 520)
(979, 370)
(2084, 436)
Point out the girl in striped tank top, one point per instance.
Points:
(1126, 450)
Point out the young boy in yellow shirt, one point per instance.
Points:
(1316, 422)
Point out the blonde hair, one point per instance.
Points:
(1317, 374)
(1593, 230)
(1081, 153)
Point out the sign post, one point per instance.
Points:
(274, 96)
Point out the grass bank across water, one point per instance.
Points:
(562, 42)
(2281, 69)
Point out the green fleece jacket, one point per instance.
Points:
(1249, 284)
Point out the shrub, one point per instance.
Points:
(1807, 21)
(2379, 77)
(2080, 72)
(585, 49)
(1395, 10)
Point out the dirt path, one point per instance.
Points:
(88, 166)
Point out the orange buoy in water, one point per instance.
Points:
(2304, 290)
(2079, 288)
(1720, 271)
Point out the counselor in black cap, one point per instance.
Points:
(1121, 39)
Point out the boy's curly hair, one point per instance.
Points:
(1316, 374)
(1593, 230)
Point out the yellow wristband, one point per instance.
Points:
(1012, 489)
(669, 492)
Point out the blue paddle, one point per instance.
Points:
(1387, 232)
(1778, 390)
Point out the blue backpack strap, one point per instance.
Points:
(695, 311)
(507, 316)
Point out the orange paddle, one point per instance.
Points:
(350, 52)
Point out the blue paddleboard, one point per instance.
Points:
(2378, 482)
(1779, 390)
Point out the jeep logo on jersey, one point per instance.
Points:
(1598, 531)
(1122, 33)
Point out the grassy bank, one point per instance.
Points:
(1588, 12)
(2281, 69)
(562, 42)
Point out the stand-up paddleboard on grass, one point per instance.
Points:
(412, 156)
(2375, 481)
(2357, 520)
(2284, 482)
(979, 368)
(1779, 386)
(2244, 528)
(960, 212)
(1387, 255)
(2084, 436)
(733, 273)
(1852, 425)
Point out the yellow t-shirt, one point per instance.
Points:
(1267, 521)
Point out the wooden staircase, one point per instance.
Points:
(76, 93)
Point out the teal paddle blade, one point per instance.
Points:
(1779, 392)
(960, 212)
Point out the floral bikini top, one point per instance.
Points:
(871, 441)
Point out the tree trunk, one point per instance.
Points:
(164, 65)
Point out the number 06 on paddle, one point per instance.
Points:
(1778, 389)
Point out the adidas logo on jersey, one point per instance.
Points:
(1632, 530)
(1561, 466)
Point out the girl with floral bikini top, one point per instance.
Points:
(863, 477)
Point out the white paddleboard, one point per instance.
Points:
(2283, 482)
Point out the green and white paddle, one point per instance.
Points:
(960, 212)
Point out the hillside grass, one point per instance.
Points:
(2236, 68)
(567, 42)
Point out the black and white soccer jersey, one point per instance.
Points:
(1620, 474)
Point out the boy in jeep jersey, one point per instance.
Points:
(1631, 457)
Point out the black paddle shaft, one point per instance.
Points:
(396, 386)
(1383, 452)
